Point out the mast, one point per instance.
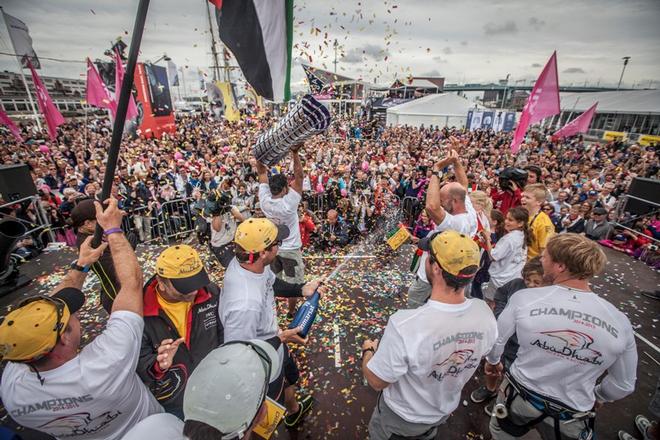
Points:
(216, 65)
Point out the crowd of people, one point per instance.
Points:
(182, 358)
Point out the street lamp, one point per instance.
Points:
(506, 85)
(625, 63)
(164, 57)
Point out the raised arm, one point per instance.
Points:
(86, 257)
(262, 172)
(124, 259)
(297, 170)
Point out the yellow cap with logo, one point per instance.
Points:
(182, 265)
(257, 234)
(32, 330)
(454, 251)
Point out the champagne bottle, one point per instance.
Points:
(306, 314)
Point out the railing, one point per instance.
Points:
(621, 214)
(40, 226)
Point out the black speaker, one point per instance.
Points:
(16, 182)
(643, 188)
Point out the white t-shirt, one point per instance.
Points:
(465, 223)
(428, 354)
(247, 305)
(509, 257)
(227, 230)
(96, 395)
(283, 211)
(159, 426)
(568, 339)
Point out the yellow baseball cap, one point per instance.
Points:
(257, 234)
(453, 251)
(182, 265)
(32, 330)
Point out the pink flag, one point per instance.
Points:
(4, 120)
(578, 125)
(132, 111)
(51, 114)
(97, 94)
(543, 101)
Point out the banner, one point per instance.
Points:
(172, 74)
(647, 140)
(315, 83)
(131, 112)
(51, 114)
(578, 125)
(97, 95)
(19, 35)
(487, 121)
(229, 101)
(4, 120)
(155, 115)
(398, 237)
(542, 102)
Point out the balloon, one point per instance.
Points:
(178, 155)
(365, 166)
(44, 148)
(343, 192)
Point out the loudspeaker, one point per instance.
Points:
(16, 182)
(643, 188)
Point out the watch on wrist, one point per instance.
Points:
(79, 268)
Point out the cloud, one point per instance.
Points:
(358, 54)
(536, 23)
(573, 70)
(536, 65)
(508, 27)
(447, 50)
(433, 72)
(464, 43)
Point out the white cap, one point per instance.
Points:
(229, 385)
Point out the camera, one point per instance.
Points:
(217, 203)
(508, 175)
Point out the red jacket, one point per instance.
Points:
(505, 200)
(307, 226)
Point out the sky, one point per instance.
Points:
(465, 41)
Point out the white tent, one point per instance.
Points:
(443, 110)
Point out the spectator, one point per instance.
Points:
(540, 225)
(307, 226)
(334, 232)
(597, 227)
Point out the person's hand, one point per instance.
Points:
(110, 217)
(166, 352)
(296, 148)
(493, 370)
(291, 335)
(368, 343)
(312, 286)
(414, 239)
(89, 255)
(261, 168)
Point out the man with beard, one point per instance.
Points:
(451, 209)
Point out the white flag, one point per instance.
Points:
(20, 39)
(172, 74)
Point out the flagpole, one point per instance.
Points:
(122, 108)
(20, 70)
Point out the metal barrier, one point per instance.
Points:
(621, 214)
(166, 222)
(42, 223)
(410, 207)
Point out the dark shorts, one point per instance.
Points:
(291, 372)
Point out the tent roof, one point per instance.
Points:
(437, 104)
(627, 101)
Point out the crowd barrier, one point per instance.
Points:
(40, 226)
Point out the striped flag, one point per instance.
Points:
(259, 33)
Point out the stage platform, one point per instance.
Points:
(366, 290)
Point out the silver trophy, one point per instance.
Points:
(306, 119)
